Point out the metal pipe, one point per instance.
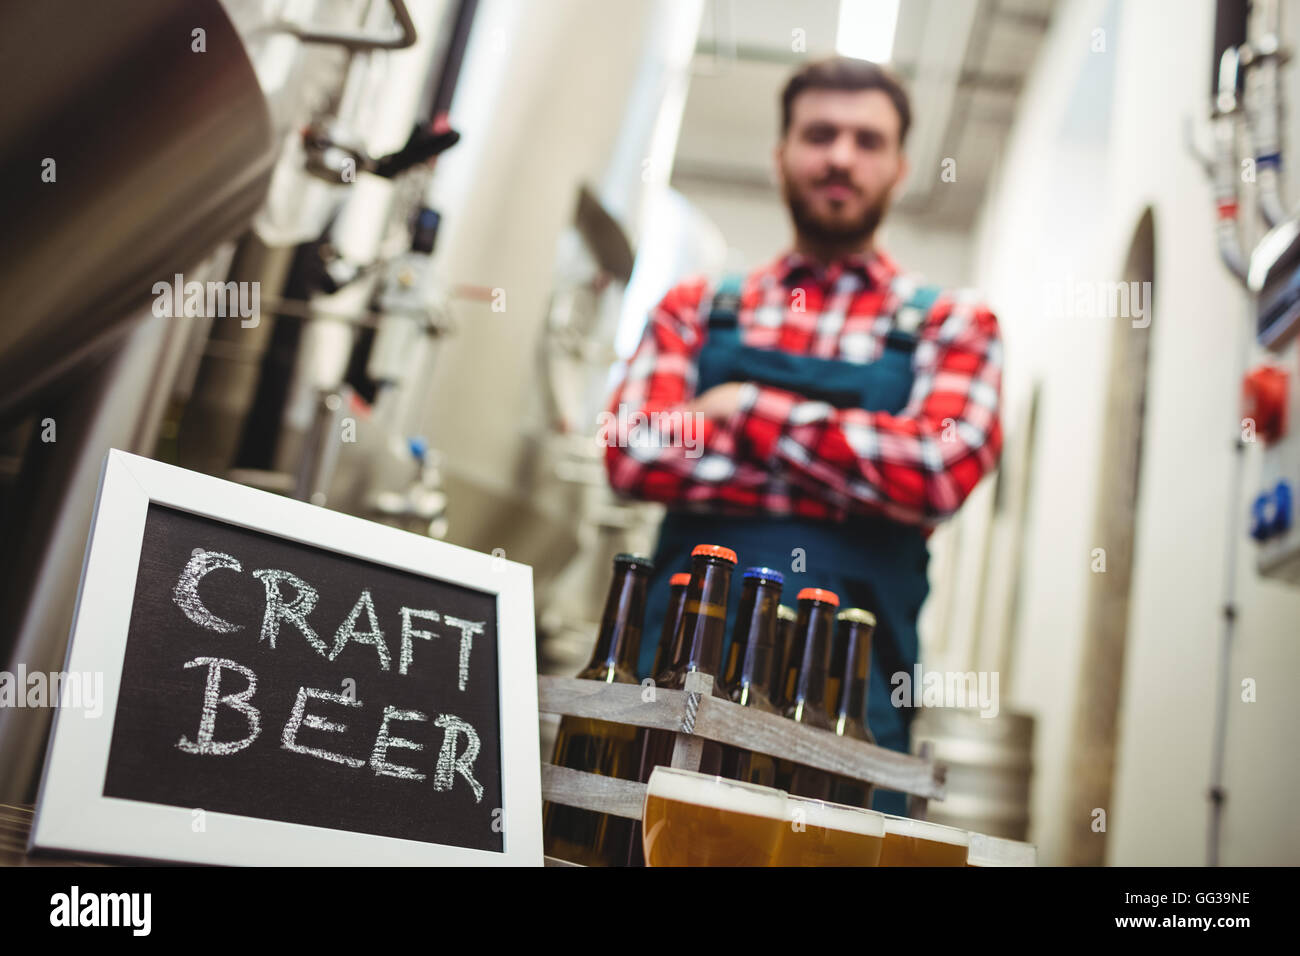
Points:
(1264, 111)
(1226, 115)
(1229, 34)
(356, 40)
(444, 86)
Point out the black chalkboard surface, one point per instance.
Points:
(268, 678)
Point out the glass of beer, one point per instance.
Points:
(697, 819)
(911, 842)
(820, 833)
(997, 851)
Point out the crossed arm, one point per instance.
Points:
(916, 466)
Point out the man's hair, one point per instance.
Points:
(846, 73)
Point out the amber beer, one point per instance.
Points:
(846, 685)
(747, 677)
(997, 851)
(696, 819)
(911, 842)
(598, 746)
(704, 628)
(805, 686)
(821, 833)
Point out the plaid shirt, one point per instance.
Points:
(783, 454)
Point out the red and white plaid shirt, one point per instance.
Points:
(784, 454)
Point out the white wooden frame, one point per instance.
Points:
(71, 812)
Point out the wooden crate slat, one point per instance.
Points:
(779, 737)
(590, 791)
(722, 721)
(620, 703)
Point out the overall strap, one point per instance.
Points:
(725, 308)
(910, 315)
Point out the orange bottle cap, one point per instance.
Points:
(714, 551)
(681, 577)
(819, 594)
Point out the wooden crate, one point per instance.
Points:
(695, 715)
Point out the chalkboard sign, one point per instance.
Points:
(284, 683)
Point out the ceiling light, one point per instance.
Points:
(866, 29)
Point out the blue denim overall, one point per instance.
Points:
(870, 562)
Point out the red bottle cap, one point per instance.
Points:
(682, 578)
(819, 594)
(714, 551)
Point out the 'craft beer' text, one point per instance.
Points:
(231, 685)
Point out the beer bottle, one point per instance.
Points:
(599, 746)
(847, 687)
(754, 630)
(704, 626)
(785, 618)
(670, 657)
(805, 701)
(669, 653)
(748, 675)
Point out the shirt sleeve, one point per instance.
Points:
(654, 449)
(916, 466)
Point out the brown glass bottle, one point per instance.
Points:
(704, 631)
(805, 701)
(748, 675)
(785, 618)
(670, 657)
(847, 685)
(598, 746)
(668, 651)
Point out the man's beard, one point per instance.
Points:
(851, 233)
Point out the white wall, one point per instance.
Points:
(552, 96)
(1082, 163)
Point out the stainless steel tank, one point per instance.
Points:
(134, 138)
(990, 765)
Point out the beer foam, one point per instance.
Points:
(924, 830)
(837, 816)
(997, 851)
(719, 793)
